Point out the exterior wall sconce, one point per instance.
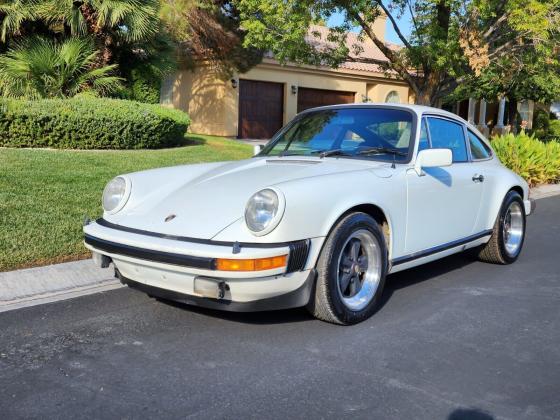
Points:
(294, 89)
(234, 83)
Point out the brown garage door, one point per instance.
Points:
(310, 98)
(261, 109)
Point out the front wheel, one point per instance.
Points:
(351, 271)
(508, 234)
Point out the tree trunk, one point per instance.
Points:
(103, 40)
(427, 92)
(107, 50)
(423, 97)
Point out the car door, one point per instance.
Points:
(443, 202)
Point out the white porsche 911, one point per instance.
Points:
(337, 200)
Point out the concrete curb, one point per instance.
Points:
(33, 286)
(543, 191)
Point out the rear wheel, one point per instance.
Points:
(508, 234)
(351, 271)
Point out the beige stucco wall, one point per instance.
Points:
(378, 92)
(208, 99)
(212, 102)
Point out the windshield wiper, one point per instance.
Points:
(333, 152)
(381, 151)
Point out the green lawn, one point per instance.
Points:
(44, 194)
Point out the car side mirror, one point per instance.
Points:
(257, 148)
(431, 158)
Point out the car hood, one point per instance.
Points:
(207, 200)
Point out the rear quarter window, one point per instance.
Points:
(479, 149)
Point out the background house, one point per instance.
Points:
(257, 103)
(493, 117)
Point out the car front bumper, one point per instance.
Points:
(530, 206)
(177, 269)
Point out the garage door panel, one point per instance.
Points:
(261, 109)
(312, 98)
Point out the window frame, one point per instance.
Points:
(424, 120)
(453, 121)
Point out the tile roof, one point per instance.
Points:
(318, 37)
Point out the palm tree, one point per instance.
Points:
(41, 68)
(109, 22)
(13, 15)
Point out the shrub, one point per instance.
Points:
(554, 129)
(541, 123)
(537, 162)
(90, 123)
(142, 85)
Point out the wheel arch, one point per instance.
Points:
(500, 195)
(378, 214)
(518, 189)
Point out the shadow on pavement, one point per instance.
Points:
(469, 414)
(257, 318)
(425, 272)
(394, 282)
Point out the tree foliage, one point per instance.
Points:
(143, 38)
(209, 30)
(111, 23)
(524, 64)
(40, 68)
(452, 42)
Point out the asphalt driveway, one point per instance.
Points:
(455, 339)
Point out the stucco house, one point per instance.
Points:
(257, 103)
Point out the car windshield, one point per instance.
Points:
(376, 133)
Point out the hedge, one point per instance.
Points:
(90, 123)
(534, 160)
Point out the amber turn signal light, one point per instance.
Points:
(259, 264)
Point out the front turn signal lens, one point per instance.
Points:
(259, 264)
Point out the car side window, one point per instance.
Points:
(446, 134)
(424, 141)
(479, 149)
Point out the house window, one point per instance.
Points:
(166, 91)
(393, 97)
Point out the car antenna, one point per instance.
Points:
(393, 166)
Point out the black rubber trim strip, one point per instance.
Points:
(151, 255)
(295, 299)
(110, 225)
(440, 248)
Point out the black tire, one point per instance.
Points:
(495, 251)
(327, 304)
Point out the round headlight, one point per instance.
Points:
(115, 194)
(263, 211)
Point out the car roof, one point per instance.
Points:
(419, 110)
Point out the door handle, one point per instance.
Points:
(478, 178)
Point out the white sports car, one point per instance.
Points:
(337, 200)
